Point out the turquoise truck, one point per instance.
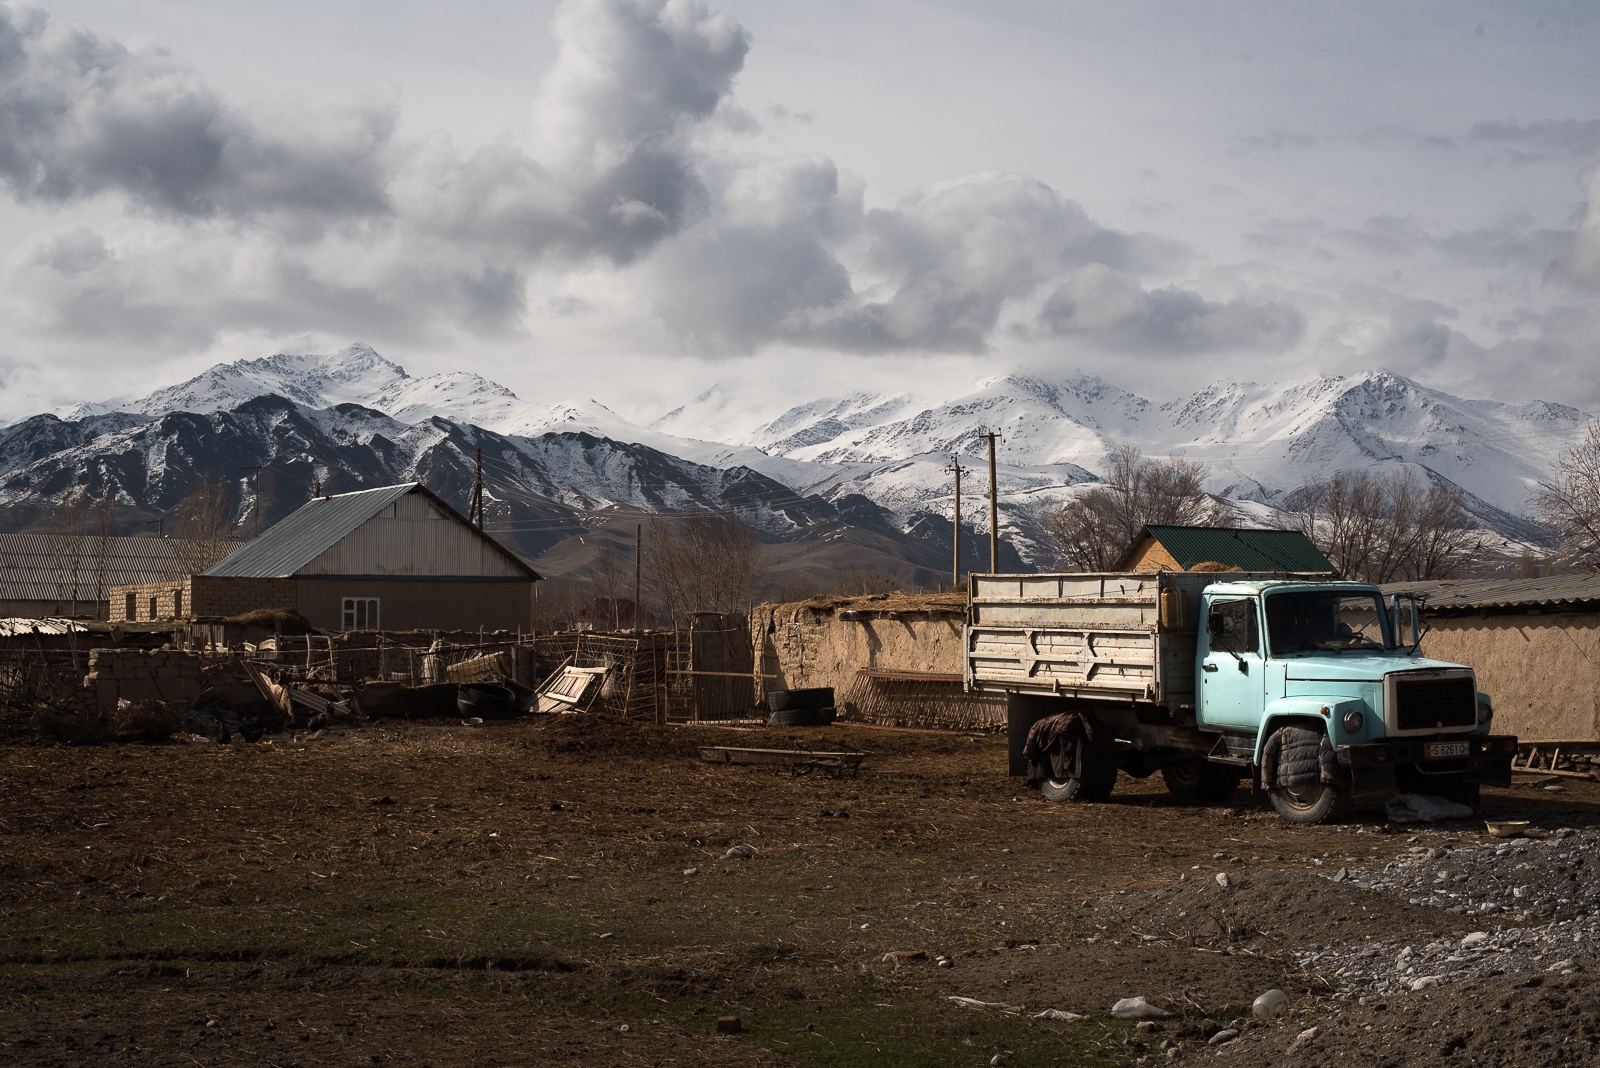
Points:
(1310, 687)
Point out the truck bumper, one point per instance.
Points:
(1488, 759)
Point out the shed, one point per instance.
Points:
(72, 574)
(392, 558)
(1534, 643)
(1168, 548)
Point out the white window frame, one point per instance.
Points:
(359, 613)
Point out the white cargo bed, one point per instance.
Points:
(1098, 636)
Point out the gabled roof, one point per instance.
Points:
(1242, 547)
(44, 567)
(293, 542)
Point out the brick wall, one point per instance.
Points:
(200, 596)
(169, 675)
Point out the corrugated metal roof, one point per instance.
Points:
(305, 534)
(1242, 547)
(1472, 595)
(66, 567)
(15, 627)
(301, 537)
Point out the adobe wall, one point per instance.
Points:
(813, 643)
(134, 675)
(1541, 671)
(201, 596)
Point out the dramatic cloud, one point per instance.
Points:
(1112, 309)
(643, 210)
(80, 116)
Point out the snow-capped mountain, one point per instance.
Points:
(354, 416)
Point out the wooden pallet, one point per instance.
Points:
(1544, 758)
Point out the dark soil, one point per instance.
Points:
(519, 893)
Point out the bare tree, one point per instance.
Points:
(1390, 527)
(705, 562)
(1093, 531)
(204, 523)
(607, 579)
(1569, 504)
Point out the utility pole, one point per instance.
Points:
(994, 512)
(955, 564)
(475, 509)
(638, 544)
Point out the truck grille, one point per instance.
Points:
(1424, 704)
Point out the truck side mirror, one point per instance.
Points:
(1216, 624)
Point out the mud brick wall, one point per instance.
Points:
(169, 675)
(217, 596)
(806, 645)
(201, 596)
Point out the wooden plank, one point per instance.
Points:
(726, 754)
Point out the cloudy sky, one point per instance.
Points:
(632, 199)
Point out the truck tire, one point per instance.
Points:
(1198, 782)
(1306, 803)
(801, 717)
(1081, 768)
(811, 697)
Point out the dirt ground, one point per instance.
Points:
(549, 892)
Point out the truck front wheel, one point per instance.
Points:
(1306, 802)
(1197, 782)
(1081, 768)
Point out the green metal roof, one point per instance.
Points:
(1241, 547)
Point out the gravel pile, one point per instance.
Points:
(1537, 903)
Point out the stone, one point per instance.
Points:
(1223, 1037)
(1271, 1005)
(1137, 1008)
(1223, 880)
(739, 852)
(1475, 938)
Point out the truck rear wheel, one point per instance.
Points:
(1197, 782)
(1306, 803)
(1081, 768)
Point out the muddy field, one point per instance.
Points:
(522, 893)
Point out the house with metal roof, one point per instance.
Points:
(1534, 644)
(69, 575)
(391, 558)
(1168, 548)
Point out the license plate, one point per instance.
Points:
(1442, 750)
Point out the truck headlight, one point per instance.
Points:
(1352, 721)
(1485, 712)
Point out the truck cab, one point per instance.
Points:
(1333, 661)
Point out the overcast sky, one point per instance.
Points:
(630, 200)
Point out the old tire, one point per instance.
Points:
(1199, 782)
(812, 697)
(1306, 803)
(1081, 768)
(486, 700)
(801, 717)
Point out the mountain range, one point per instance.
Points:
(859, 482)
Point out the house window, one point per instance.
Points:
(130, 607)
(153, 614)
(360, 613)
(177, 604)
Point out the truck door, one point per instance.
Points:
(1232, 686)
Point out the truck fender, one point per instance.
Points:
(1306, 712)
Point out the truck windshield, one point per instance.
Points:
(1302, 621)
